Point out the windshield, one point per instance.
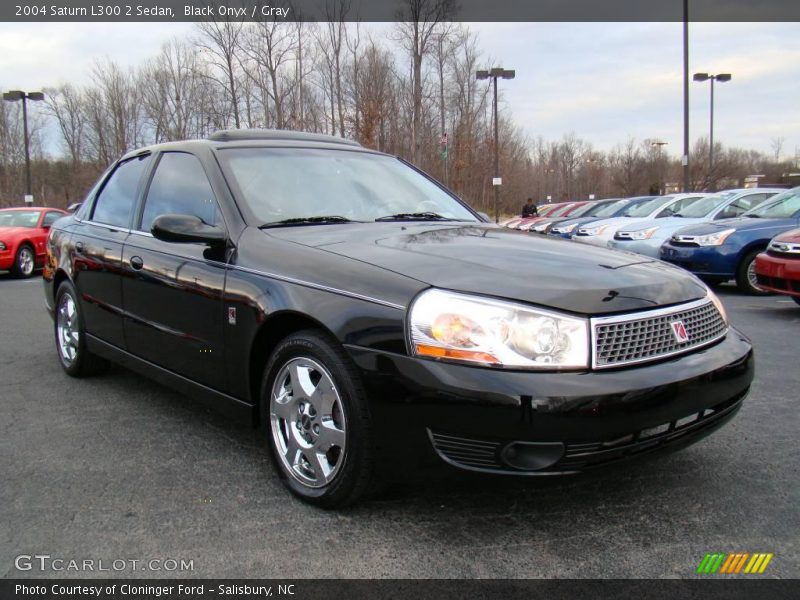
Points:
(584, 210)
(19, 218)
(703, 206)
(608, 210)
(300, 183)
(561, 210)
(646, 207)
(782, 206)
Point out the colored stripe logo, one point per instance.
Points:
(734, 563)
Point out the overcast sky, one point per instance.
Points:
(603, 81)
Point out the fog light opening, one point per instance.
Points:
(532, 456)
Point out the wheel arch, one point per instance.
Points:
(276, 327)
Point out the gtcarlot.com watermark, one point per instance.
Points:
(58, 564)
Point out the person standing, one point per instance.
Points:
(529, 209)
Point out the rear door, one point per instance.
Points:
(96, 249)
(173, 292)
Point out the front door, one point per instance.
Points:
(172, 292)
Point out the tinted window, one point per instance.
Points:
(51, 218)
(180, 187)
(742, 205)
(677, 207)
(118, 196)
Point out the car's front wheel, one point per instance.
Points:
(24, 262)
(746, 279)
(315, 413)
(75, 357)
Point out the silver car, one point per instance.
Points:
(646, 237)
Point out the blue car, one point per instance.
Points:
(568, 227)
(727, 249)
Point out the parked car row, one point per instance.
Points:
(744, 235)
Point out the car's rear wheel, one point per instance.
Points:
(315, 414)
(746, 275)
(24, 262)
(75, 357)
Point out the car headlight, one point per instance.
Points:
(593, 230)
(471, 329)
(565, 229)
(718, 303)
(642, 234)
(713, 239)
(3, 246)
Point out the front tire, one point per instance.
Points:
(315, 414)
(24, 262)
(746, 275)
(70, 336)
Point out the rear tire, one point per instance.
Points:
(24, 262)
(746, 275)
(70, 336)
(315, 414)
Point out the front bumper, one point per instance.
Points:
(486, 419)
(718, 261)
(649, 247)
(780, 275)
(594, 240)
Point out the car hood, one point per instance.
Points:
(792, 236)
(13, 232)
(666, 226)
(741, 224)
(488, 260)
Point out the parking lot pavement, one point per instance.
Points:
(117, 467)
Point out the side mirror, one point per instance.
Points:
(187, 229)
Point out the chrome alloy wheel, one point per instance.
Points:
(67, 329)
(25, 261)
(751, 274)
(309, 428)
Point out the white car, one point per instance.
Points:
(599, 233)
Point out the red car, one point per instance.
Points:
(23, 233)
(778, 269)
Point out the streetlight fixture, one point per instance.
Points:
(494, 74)
(15, 96)
(659, 145)
(722, 78)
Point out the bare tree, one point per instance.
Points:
(419, 20)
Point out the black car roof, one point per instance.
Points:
(257, 138)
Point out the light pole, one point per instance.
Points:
(722, 78)
(14, 96)
(496, 181)
(659, 145)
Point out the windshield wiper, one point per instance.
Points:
(418, 216)
(322, 220)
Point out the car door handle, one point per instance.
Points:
(79, 246)
(137, 263)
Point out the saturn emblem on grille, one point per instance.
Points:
(679, 331)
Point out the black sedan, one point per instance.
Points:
(368, 320)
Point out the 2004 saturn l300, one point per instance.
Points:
(367, 318)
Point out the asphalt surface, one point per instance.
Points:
(119, 468)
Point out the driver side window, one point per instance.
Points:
(180, 187)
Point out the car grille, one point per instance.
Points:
(649, 335)
(485, 455)
(778, 283)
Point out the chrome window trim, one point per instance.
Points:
(318, 286)
(648, 314)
